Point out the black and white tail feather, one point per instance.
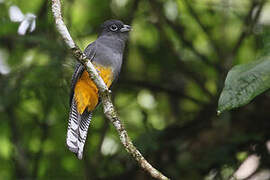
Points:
(78, 124)
(77, 129)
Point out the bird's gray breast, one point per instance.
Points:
(109, 54)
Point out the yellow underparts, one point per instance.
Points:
(86, 92)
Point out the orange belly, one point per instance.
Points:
(86, 92)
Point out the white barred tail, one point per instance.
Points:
(77, 129)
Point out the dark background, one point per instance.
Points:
(174, 69)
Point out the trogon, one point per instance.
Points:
(106, 54)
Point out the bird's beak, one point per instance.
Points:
(125, 28)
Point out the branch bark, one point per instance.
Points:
(104, 92)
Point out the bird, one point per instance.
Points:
(106, 54)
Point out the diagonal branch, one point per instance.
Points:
(204, 28)
(108, 107)
(249, 23)
(185, 69)
(180, 31)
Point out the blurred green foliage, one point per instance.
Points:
(174, 67)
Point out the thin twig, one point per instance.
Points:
(181, 31)
(160, 88)
(44, 128)
(185, 69)
(204, 28)
(20, 157)
(21, 160)
(108, 107)
(248, 24)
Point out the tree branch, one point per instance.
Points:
(160, 88)
(205, 29)
(21, 160)
(248, 23)
(108, 107)
(180, 30)
(44, 135)
(248, 167)
(185, 69)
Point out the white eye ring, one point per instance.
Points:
(113, 27)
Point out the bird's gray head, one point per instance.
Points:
(115, 28)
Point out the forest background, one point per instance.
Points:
(174, 69)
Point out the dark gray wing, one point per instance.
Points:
(76, 75)
(78, 123)
(90, 52)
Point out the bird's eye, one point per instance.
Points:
(113, 27)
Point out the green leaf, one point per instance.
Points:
(243, 83)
